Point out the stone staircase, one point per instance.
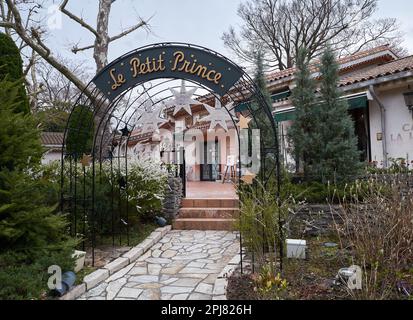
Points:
(207, 214)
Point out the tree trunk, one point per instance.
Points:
(100, 53)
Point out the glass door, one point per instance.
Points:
(210, 168)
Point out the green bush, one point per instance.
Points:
(80, 132)
(20, 145)
(11, 69)
(32, 235)
(27, 224)
(147, 185)
(22, 278)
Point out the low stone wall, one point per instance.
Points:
(100, 275)
(172, 201)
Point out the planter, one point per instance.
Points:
(80, 260)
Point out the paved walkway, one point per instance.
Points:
(210, 190)
(183, 265)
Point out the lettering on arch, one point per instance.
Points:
(168, 61)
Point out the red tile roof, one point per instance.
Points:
(385, 49)
(52, 138)
(390, 68)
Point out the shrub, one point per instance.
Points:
(27, 224)
(11, 69)
(80, 133)
(259, 222)
(379, 231)
(23, 278)
(147, 185)
(19, 138)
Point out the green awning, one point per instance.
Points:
(357, 102)
(275, 98)
(285, 116)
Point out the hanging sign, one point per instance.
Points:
(168, 61)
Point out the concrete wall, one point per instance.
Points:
(51, 156)
(399, 127)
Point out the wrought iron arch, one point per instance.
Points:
(104, 110)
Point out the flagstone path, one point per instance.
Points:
(183, 265)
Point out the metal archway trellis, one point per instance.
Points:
(107, 110)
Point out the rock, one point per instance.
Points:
(175, 290)
(138, 271)
(182, 296)
(220, 287)
(204, 288)
(187, 282)
(199, 296)
(119, 274)
(168, 254)
(158, 260)
(150, 294)
(134, 254)
(116, 265)
(130, 293)
(154, 269)
(144, 279)
(146, 244)
(95, 278)
(75, 293)
(97, 291)
(114, 287)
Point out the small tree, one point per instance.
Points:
(333, 155)
(11, 69)
(261, 116)
(27, 219)
(19, 138)
(80, 132)
(303, 98)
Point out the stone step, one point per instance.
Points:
(204, 224)
(210, 203)
(208, 213)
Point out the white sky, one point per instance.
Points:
(196, 21)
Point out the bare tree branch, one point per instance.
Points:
(280, 27)
(77, 19)
(39, 47)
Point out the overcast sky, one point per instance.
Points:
(196, 21)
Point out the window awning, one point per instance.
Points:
(358, 101)
(275, 98)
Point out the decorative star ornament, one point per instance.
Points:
(248, 177)
(150, 118)
(244, 122)
(86, 160)
(182, 99)
(125, 131)
(218, 115)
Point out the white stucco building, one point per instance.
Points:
(377, 85)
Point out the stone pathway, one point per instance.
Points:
(184, 265)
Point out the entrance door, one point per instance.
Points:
(210, 168)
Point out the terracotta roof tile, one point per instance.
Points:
(52, 138)
(400, 65)
(342, 61)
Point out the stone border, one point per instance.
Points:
(95, 278)
(221, 283)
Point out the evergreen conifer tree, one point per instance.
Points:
(11, 69)
(28, 222)
(334, 154)
(301, 134)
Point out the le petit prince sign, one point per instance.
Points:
(168, 61)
